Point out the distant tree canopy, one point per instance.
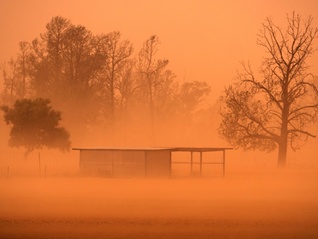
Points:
(96, 79)
(276, 108)
(35, 125)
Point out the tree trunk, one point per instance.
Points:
(282, 147)
(282, 154)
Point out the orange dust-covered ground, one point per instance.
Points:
(277, 204)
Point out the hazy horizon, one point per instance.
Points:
(48, 196)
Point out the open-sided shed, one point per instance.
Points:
(138, 162)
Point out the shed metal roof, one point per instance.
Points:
(173, 149)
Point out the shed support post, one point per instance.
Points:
(200, 163)
(191, 163)
(170, 164)
(223, 162)
(113, 164)
(146, 160)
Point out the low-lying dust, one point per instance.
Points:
(279, 204)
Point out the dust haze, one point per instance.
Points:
(47, 196)
(237, 206)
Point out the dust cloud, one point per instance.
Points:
(249, 202)
(47, 197)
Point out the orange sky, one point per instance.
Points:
(204, 40)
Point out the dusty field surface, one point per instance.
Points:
(265, 205)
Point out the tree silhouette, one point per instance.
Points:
(16, 75)
(153, 74)
(65, 60)
(34, 125)
(117, 59)
(98, 81)
(275, 109)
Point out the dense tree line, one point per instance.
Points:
(105, 89)
(99, 81)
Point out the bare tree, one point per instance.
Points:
(191, 94)
(151, 72)
(276, 108)
(126, 85)
(117, 60)
(16, 75)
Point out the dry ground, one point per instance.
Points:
(259, 205)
